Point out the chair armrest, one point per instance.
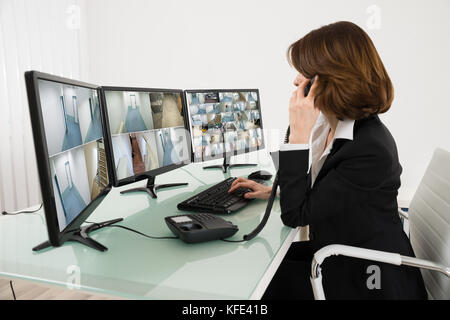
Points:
(356, 252)
(367, 254)
(425, 264)
(403, 214)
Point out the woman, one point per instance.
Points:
(349, 195)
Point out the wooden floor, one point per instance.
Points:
(30, 291)
(138, 163)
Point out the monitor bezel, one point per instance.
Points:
(154, 172)
(56, 236)
(227, 154)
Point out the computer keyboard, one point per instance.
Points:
(216, 199)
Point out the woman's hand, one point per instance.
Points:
(259, 191)
(302, 113)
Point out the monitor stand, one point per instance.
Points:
(226, 164)
(82, 236)
(151, 187)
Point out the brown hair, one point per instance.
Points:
(353, 82)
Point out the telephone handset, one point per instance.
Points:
(309, 85)
(307, 89)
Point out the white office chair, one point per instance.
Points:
(429, 224)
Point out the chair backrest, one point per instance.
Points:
(429, 217)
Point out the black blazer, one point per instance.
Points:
(353, 202)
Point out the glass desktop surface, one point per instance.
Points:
(140, 268)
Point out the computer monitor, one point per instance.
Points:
(72, 154)
(223, 123)
(148, 134)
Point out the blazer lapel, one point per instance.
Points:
(337, 145)
(328, 164)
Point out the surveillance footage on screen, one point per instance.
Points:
(235, 113)
(74, 137)
(147, 131)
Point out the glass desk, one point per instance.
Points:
(140, 268)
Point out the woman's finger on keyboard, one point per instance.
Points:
(242, 184)
(238, 180)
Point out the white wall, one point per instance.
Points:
(143, 100)
(181, 143)
(115, 101)
(53, 115)
(69, 93)
(180, 150)
(122, 152)
(238, 44)
(118, 103)
(43, 35)
(59, 208)
(207, 44)
(151, 138)
(58, 162)
(79, 173)
(91, 156)
(159, 146)
(77, 163)
(84, 112)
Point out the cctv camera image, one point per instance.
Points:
(219, 120)
(147, 131)
(74, 136)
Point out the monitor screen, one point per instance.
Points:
(71, 118)
(230, 115)
(148, 131)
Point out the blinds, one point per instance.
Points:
(44, 35)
